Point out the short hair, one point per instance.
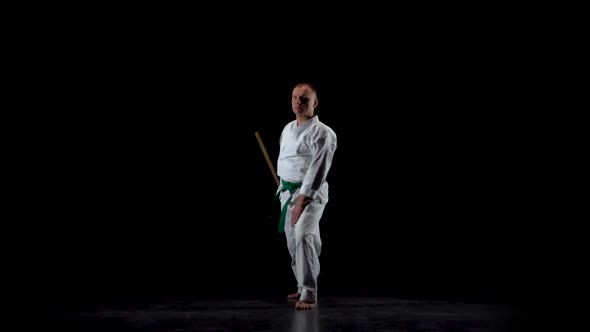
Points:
(310, 85)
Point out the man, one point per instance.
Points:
(307, 147)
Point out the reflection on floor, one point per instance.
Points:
(331, 314)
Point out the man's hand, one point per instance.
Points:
(300, 205)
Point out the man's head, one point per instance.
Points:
(304, 100)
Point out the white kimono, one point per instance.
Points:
(305, 157)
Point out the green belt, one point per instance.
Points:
(291, 187)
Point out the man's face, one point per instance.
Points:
(303, 101)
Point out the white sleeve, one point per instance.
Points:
(322, 153)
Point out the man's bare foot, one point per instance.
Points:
(304, 305)
(294, 296)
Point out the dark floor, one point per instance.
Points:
(332, 314)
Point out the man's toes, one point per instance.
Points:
(304, 305)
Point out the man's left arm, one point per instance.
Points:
(323, 152)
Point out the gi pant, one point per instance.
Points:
(304, 244)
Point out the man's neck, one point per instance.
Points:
(302, 118)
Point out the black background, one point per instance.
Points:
(149, 181)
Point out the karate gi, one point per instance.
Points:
(306, 153)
